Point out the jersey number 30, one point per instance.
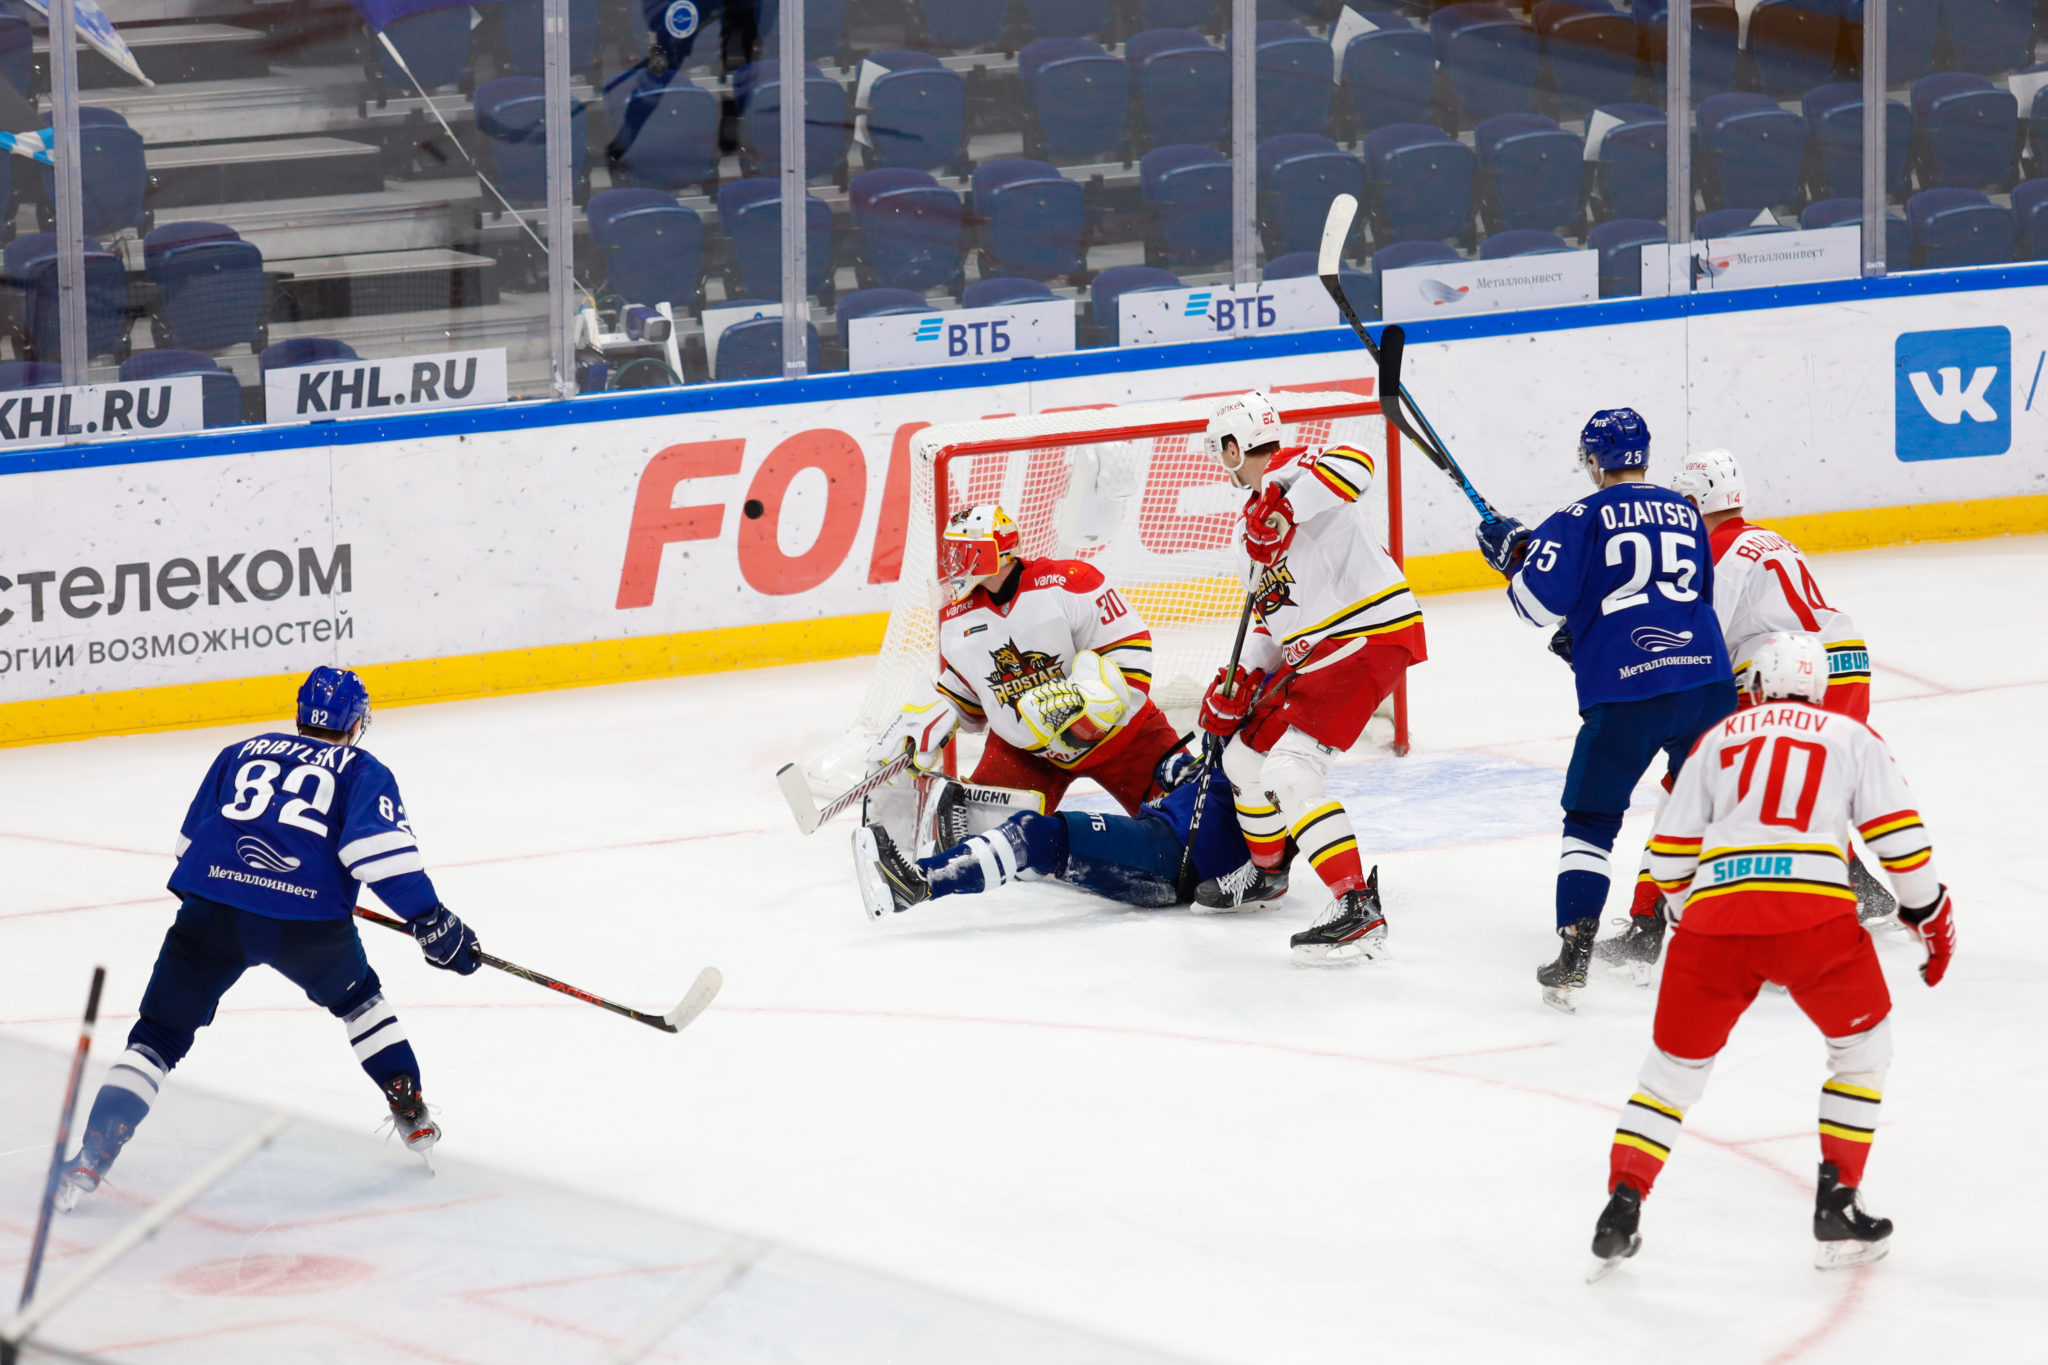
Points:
(256, 786)
(1674, 576)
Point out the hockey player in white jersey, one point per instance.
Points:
(1751, 852)
(1336, 628)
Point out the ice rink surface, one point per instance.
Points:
(1145, 1124)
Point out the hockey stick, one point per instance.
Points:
(701, 993)
(1212, 747)
(1394, 396)
(809, 815)
(40, 1242)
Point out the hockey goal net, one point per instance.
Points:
(1129, 489)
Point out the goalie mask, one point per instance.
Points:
(1788, 666)
(1250, 421)
(978, 544)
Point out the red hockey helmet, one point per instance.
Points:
(979, 542)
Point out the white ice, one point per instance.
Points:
(1146, 1124)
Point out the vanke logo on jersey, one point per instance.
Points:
(1017, 671)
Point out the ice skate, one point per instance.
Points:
(1245, 887)
(1568, 973)
(889, 882)
(1614, 1237)
(81, 1177)
(1353, 929)
(410, 1118)
(1844, 1235)
(1634, 952)
(1875, 906)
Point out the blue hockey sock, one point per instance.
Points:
(122, 1103)
(1025, 844)
(380, 1042)
(1582, 872)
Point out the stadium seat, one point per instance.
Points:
(753, 350)
(1753, 150)
(911, 226)
(1628, 175)
(435, 45)
(1001, 289)
(1295, 80)
(1176, 13)
(511, 111)
(1620, 242)
(757, 89)
(750, 215)
(220, 391)
(1299, 175)
(1910, 30)
(1390, 75)
(1490, 58)
(297, 351)
(1898, 237)
(1990, 36)
(1588, 52)
(1965, 131)
(1834, 125)
(524, 45)
(30, 374)
(1957, 227)
(1793, 43)
(1401, 255)
(1358, 285)
(1113, 284)
(1295, 11)
(1080, 94)
(962, 23)
(875, 303)
(1418, 182)
(1066, 18)
(1716, 44)
(824, 26)
(1736, 222)
(17, 52)
(209, 286)
(1521, 242)
(29, 263)
(1532, 172)
(2030, 212)
(1178, 75)
(113, 175)
(916, 113)
(652, 247)
(664, 133)
(1188, 188)
(1034, 218)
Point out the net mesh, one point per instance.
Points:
(1129, 489)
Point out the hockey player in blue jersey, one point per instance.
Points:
(283, 831)
(1626, 576)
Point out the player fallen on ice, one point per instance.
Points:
(1335, 629)
(284, 829)
(1762, 584)
(1626, 571)
(1751, 855)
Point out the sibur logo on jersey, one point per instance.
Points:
(1272, 592)
(1019, 670)
(263, 857)
(1656, 640)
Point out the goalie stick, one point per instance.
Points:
(809, 815)
(701, 993)
(1386, 354)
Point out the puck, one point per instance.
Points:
(753, 509)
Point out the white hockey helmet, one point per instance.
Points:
(1788, 665)
(1249, 420)
(977, 545)
(1711, 481)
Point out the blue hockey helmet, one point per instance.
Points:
(1614, 438)
(334, 699)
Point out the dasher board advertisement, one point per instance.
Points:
(100, 412)
(961, 336)
(353, 388)
(1419, 293)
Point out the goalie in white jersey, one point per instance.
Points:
(1753, 845)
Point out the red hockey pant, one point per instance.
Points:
(1126, 771)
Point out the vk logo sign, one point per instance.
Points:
(1954, 393)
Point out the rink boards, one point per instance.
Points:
(172, 582)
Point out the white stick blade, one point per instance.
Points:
(701, 993)
(797, 792)
(1336, 228)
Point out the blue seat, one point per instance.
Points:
(1898, 237)
(1400, 256)
(1911, 27)
(664, 133)
(209, 285)
(525, 47)
(1628, 177)
(1188, 189)
(2034, 123)
(876, 303)
(1295, 81)
(1716, 44)
(911, 226)
(1296, 11)
(1588, 52)
(29, 263)
(1000, 290)
(113, 173)
(753, 349)
(220, 391)
(653, 247)
(1834, 124)
(435, 45)
(1957, 227)
(296, 351)
(750, 215)
(1178, 74)
(1990, 36)
(1620, 242)
(1490, 58)
(30, 374)
(757, 89)
(1735, 222)
(1418, 182)
(1358, 285)
(17, 52)
(1753, 149)
(1081, 95)
(1176, 13)
(1034, 218)
(962, 23)
(1965, 131)
(1521, 242)
(1390, 74)
(1299, 175)
(916, 113)
(1532, 172)
(2030, 215)
(1793, 43)
(512, 112)
(1066, 18)
(1113, 284)
(824, 26)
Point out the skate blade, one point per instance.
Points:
(1245, 908)
(1631, 973)
(1560, 998)
(1367, 949)
(1843, 1255)
(1601, 1269)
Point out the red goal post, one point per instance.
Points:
(1129, 488)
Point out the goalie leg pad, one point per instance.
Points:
(953, 812)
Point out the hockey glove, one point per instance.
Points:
(1072, 715)
(1177, 768)
(923, 728)
(1230, 700)
(1268, 525)
(1935, 926)
(1561, 644)
(446, 941)
(1503, 542)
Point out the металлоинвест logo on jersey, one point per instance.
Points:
(1954, 393)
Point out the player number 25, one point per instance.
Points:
(1677, 566)
(256, 786)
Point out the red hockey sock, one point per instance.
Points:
(1642, 1141)
(1848, 1122)
(1324, 834)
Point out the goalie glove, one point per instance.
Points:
(1069, 716)
(1269, 525)
(923, 729)
(1935, 926)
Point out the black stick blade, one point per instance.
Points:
(1393, 341)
